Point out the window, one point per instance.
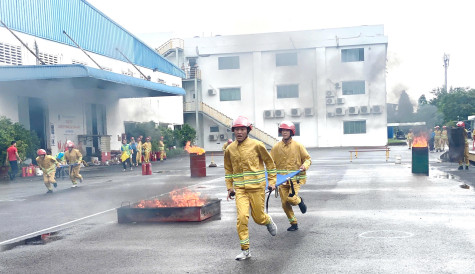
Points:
(353, 87)
(10, 54)
(286, 59)
(228, 62)
(354, 127)
(48, 59)
(213, 129)
(79, 62)
(288, 91)
(297, 129)
(352, 55)
(230, 94)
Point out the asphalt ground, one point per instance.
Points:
(365, 216)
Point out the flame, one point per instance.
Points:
(194, 149)
(177, 198)
(419, 141)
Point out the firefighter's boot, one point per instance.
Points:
(466, 167)
(460, 167)
(293, 227)
(302, 206)
(272, 227)
(245, 254)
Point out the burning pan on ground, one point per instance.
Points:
(135, 213)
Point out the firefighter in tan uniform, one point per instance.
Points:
(444, 139)
(73, 158)
(290, 156)
(161, 147)
(437, 138)
(465, 151)
(227, 144)
(410, 138)
(139, 150)
(244, 161)
(147, 148)
(48, 165)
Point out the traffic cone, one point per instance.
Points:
(212, 164)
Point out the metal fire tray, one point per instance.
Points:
(131, 214)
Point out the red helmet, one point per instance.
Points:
(70, 144)
(444, 127)
(241, 121)
(287, 125)
(436, 126)
(41, 152)
(460, 124)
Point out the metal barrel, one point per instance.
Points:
(198, 165)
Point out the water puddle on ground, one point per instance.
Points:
(445, 176)
(36, 240)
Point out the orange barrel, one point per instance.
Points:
(198, 165)
(149, 169)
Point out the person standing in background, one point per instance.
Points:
(161, 147)
(12, 158)
(133, 146)
(126, 154)
(410, 138)
(147, 148)
(139, 150)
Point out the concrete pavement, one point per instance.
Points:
(364, 216)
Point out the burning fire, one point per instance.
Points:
(194, 149)
(177, 198)
(419, 141)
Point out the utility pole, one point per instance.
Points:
(446, 65)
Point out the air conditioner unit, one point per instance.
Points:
(339, 111)
(279, 113)
(330, 114)
(376, 109)
(340, 101)
(295, 112)
(211, 92)
(268, 114)
(329, 93)
(308, 111)
(353, 110)
(330, 101)
(213, 137)
(222, 137)
(364, 110)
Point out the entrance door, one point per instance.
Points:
(37, 113)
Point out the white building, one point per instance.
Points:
(89, 77)
(331, 83)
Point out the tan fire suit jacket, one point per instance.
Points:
(410, 136)
(289, 157)
(48, 164)
(73, 157)
(147, 147)
(244, 165)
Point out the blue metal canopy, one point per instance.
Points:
(87, 77)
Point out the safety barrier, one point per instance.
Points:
(369, 149)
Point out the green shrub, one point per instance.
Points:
(27, 141)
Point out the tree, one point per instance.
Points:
(429, 114)
(422, 100)
(27, 141)
(455, 105)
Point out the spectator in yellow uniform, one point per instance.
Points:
(139, 150)
(73, 158)
(147, 148)
(410, 138)
(444, 139)
(48, 165)
(161, 147)
(245, 178)
(290, 156)
(464, 159)
(227, 144)
(437, 138)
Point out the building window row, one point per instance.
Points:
(49, 59)
(230, 94)
(352, 55)
(286, 59)
(10, 54)
(354, 127)
(231, 62)
(353, 87)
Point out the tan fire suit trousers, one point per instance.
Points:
(288, 202)
(49, 179)
(146, 157)
(139, 156)
(74, 173)
(245, 200)
(465, 156)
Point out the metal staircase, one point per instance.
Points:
(226, 121)
(170, 46)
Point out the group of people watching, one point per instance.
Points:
(131, 153)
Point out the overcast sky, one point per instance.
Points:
(419, 31)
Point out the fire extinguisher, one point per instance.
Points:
(149, 169)
(144, 169)
(23, 171)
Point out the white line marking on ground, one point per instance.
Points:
(53, 227)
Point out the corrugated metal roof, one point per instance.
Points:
(90, 28)
(26, 73)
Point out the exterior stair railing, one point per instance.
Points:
(226, 121)
(171, 45)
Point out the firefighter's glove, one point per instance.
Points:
(231, 194)
(271, 188)
(302, 168)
